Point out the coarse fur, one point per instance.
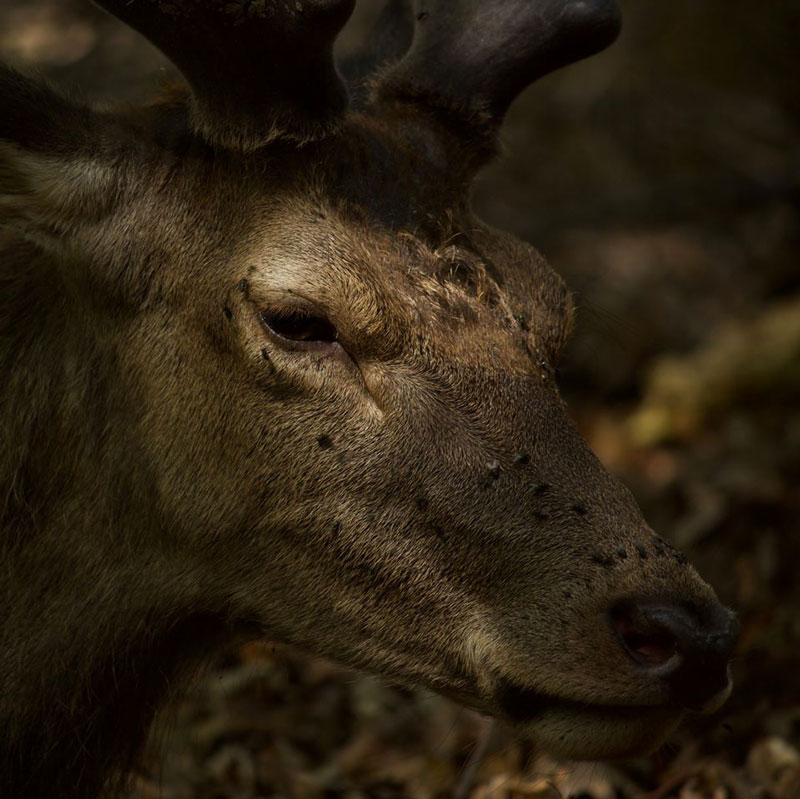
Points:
(410, 498)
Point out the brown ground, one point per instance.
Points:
(662, 179)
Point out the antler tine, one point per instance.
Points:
(470, 59)
(259, 69)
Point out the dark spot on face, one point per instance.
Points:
(336, 527)
(541, 515)
(579, 509)
(522, 321)
(622, 553)
(567, 594)
(540, 488)
(439, 532)
(642, 552)
(227, 311)
(422, 15)
(324, 441)
(243, 287)
(493, 470)
(601, 559)
(422, 502)
(264, 354)
(521, 458)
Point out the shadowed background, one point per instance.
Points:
(662, 179)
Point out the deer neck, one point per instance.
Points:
(86, 680)
(112, 632)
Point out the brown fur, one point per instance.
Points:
(173, 480)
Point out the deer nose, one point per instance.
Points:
(685, 646)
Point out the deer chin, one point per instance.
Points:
(576, 730)
(601, 732)
(581, 730)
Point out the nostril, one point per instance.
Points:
(648, 648)
(648, 640)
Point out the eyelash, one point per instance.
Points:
(301, 325)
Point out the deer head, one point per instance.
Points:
(266, 374)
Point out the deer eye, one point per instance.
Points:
(298, 324)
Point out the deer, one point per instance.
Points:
(266, 375)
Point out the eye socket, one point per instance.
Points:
(298, 324)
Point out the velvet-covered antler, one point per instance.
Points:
(258, 69)
(469, 59)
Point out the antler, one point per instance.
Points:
(258, 69)
(470, 59)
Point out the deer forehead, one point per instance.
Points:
(365, 224)
(475, 286)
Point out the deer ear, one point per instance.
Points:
(57, 159)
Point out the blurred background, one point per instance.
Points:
(662, 179)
